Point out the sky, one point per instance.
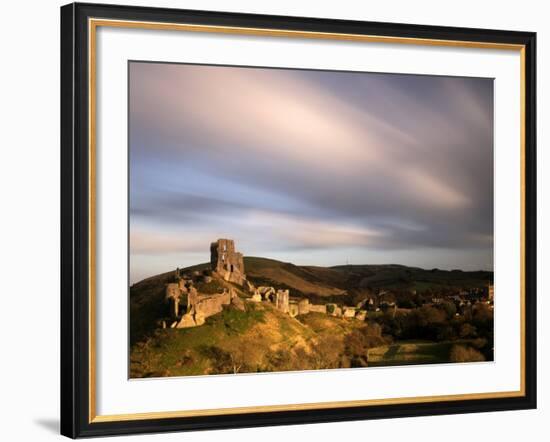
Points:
(309, 167)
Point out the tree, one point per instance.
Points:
(462, 353)
(467, 330)
(373, 329)
(220, 359)
(239, 357)
(356, 349)
(482, 313)
(279, 360)
(446, 333)
(450, 309)
(244, 355)
(325, 353)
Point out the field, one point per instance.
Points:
(406, 353)
(412, 352)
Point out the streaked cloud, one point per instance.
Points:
(287, 161)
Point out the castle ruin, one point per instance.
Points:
(188, 307)
(226, 262)
(190, 304)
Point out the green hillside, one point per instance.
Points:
(258, 339)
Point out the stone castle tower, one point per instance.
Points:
(226, 262)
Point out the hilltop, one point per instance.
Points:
(332, 283)
(260, 338)
(315, 281)
(327, 281)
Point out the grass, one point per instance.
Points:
(300, 280)
(259, 332)
(236, 321)
(210, 288)
(411, 352)
(179, 352)
(321, 324)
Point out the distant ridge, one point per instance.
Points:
(340, 280)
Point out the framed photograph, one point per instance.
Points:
(273, 220)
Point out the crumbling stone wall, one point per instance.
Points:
(226, 262)
(172, 296)
(293, 310)
(211, 304)
(303, 306)
(268, 293)
(318, 308)
(333, 310)
(361, 315)
(282, 298)
(348, 312)
(200, 307)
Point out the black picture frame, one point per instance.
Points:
(75, 221)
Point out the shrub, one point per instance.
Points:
(462, 353)
(482, 313)
(326, 352)
(358, 342)
(209, 288)
(237, 321)
(450, 309)
(479, 343)
(467, 330)
(373, 329)
(219, 358)
(446, 333)
(406, 303)
(278, 360)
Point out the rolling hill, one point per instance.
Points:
(347, 284)
(328, 281)
(258, 339)
(336, 281)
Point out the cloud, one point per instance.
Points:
(316, 159)
(303, 232)
(427, 186)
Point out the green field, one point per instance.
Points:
(410, 352)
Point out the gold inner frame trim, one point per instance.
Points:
(93, 24)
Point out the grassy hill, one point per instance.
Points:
(329, 281)
(305, 280)
(338, 280)
(393, 276)
(347, 284)
(258, 339)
